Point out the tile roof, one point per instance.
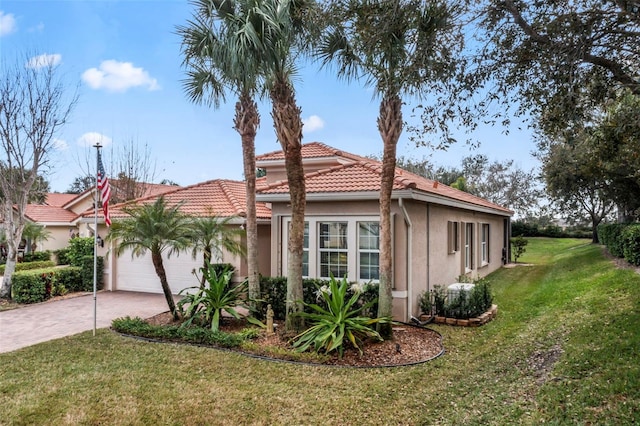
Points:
(221, 197)
(311, 150)
(363, 175)
(49, 214)
(59, 200)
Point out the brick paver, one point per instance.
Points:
(55, 319)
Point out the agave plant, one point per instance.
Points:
(341, 319)
(207, 303)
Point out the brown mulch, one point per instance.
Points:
(410, 345)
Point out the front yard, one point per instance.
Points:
(564, 349)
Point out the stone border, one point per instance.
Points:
(471, 322)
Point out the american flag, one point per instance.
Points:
(105, 190)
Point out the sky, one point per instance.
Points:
(124, 59)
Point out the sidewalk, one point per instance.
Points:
(55, 319)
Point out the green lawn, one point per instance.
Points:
(565, 349)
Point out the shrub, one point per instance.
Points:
(273, 291)
(71, 277)
(467, 304)
(29, 266)
(62, 256)
(610, 234)
(340, 320)
(29, 287)
(207, 303)
(87, 273)
(79, 248)
(39, 256)
(631, 244)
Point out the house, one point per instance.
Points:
(61, 214)
(438, 233)
(220, 197)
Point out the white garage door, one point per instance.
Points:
(138, 273)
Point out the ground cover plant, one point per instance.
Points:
(563, 350)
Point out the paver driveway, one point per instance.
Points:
(51, 320)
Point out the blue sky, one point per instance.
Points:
(124, 56)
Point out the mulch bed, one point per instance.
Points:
(410, 345)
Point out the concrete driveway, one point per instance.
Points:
(55, 319)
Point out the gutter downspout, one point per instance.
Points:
(407, 221)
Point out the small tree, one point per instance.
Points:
(518, 247)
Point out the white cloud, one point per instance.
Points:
(60, 145)
(312, 123)
(92, 138)
(45, 60)
(7, 23)
(117, 76)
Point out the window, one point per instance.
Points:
(452, 235)
(333, 249)
(468, 247)
(369, 250)
(305, 251)
(484, 244)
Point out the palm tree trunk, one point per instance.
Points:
(288, 126)
(206, 261)
(246, 123)
(156, 257)
(390, 127)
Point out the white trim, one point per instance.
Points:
(399, 294)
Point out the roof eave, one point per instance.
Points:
(445, 201)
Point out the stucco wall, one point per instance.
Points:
(420, 244)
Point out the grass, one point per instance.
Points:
(565, 349)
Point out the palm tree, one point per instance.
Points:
(158, 228)
(222, 46)
(212, 235)
(35, 234)
(394, 45)
(294, 22)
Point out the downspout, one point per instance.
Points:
(407, 221)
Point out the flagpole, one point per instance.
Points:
(95, 242)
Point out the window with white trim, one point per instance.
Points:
(333, 249)
(368, 251)
(468, 247)
(484, 243)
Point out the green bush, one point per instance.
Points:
(273, 291)
(29, 287)
(87, 273)
(38, 285)
(71, 277)
(467, 304)
(79, 248)
(631, 244)
(26, 266)
(39, 256)
(610, 234)
(62, 256)
(198, 335)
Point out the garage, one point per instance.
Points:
(138, 274)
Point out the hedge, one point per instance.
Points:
(25, 266)
(610, 234)
(631, 244)
(37, 285)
